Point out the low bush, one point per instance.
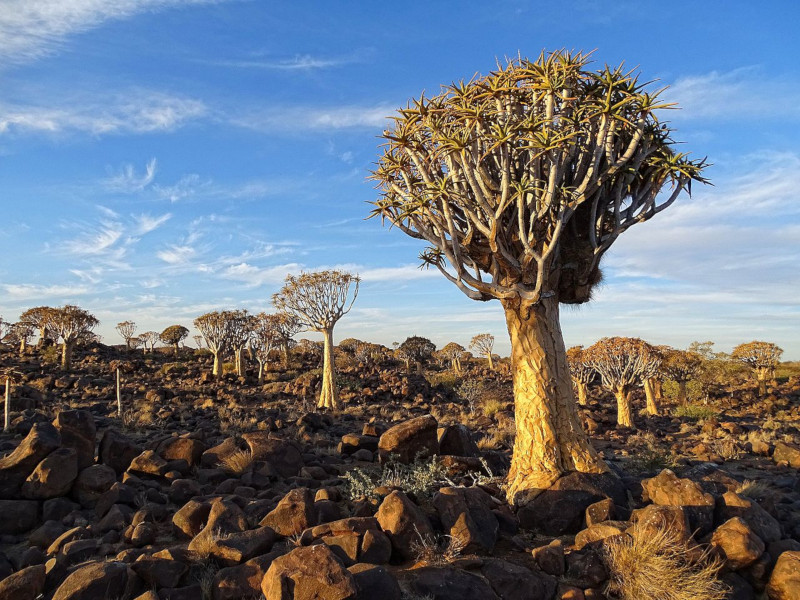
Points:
(696, 412)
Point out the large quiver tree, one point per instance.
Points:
(71, 324)
(520, 181)
(318, 300)
(215, 329)
(762, 357)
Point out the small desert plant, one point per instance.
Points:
(695, 412)
(421, 478)
(658, 566)
(647, 456)
(491, 406)
(437, 550)
(727, 449)
(755, 490)
(470, 390)
(238, 462)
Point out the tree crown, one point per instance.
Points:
(758, 355)
(319, 299)
(173, 334)
(621, 361)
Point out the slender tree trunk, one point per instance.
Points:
(650, 394)
(22, 346)
(624, 412)
(657, 390)
(217, 371)
(285, 349)
(583, 392)
(682, 396)
(549, 440)
(7, 420)
(260, 370)
(408, 364)
(328, 395)
(491, 362)
(66, 355)
(238, 354)
(119, 396)
(177, 349)
(761, 376)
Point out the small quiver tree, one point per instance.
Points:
(71, 324)
(287, 326)
(318, 300)
(173, 336)
(680, 366)
(150, 339)
(214, 327)
(416, 349)
(482, 344)
(126, 330)
(8, 377)
(520, 181)
(452, 353)
(651, 380)
(622, 364)
(266, 338)
(21, 333)
(582, 373)
(38, 318)
(198, 341)
(5, 326)
(762, 358)
(240, 332)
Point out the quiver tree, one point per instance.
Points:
(173, 336)
(416, 349)
(198, 341)
(761, 357)
(287, 326)
(126, 329)
(452, 353)
(37, 318)
(150, 339)
(266, 338)
(622, 364)
(21, 333)
(215, 329)
(651, 379)
(680, 366)
(240, 331)
(318, 300)
(4, 328)
(582, 373)
(482, 344)
(520, 181)
(71, 324)
(8, 377)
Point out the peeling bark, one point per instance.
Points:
(328, 395)
(549, 439)
(761, 377)
(624, 412)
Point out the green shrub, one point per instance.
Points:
(696, 412)
(446, 379)
(695, 391)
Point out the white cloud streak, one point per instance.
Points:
(128, 181)
(314, 118)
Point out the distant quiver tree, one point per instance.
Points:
(520, 181)
(71, 324)
(762, 358)
(173, 336)
(482, 344)
(318, 300)
(126, 329)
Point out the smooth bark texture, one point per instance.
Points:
(624, 412)
(650, 394)
(491, 362)
(217, 371)
(328, 395)
(239, 360)
(119, 395)
(761, 377)
(66, 355)
(7, 418)
(549, 439)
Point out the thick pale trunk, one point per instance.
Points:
(549, 440)
(285, 355)
(682, 396)
(177, 349)
(650, 394)
(22, 346)
(7, 419)
(491, 362)
(624, 412)
(239, 360)
(328, 395)
(408, 364)
(456, 366)
(583, 392)
(217, 371)
(66, 356)
(761, 377)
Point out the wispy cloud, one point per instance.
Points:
(301, 62)
(127, 180)
(30, 29)
(147, 223)
(31, 291)
(177, 255)
(314, 118)
(96, 240)
(745, 93)
(136, 111)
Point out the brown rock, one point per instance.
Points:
(242, 581)
(42, 439)
(78, 432)
(466, 515)
(117, 451)
(550, 558)
(25, 584)
(447, 583)
(784, 583)
(651, 519)
(214, 456)
(18, 516)
(598, 532)
(787, 453)
(373, 581)
(309, 573)
(95, 581)
(294, 513)
(602, 510)
(514, 582)
(159, 572)
(284, 456)
(191, 518)
(92, 483)
(53, 476)
(456, 440)
(666, 489)
(412, 439)
(148, 463)
(763, 524)
(404, 523)
(181, 448)
(739, 545)
(224, 518)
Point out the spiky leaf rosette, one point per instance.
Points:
(521, 179)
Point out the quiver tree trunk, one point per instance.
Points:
(761, 376)
(328, 395)
(260, 370)
(23, 344)
(285, 348)
(583, 392)
(217, 370)
(549, 440)
(176, 348)
(7, 415)
(66, 355)
(238, 355)
(682, 395)
(650, 395)
(491, 361)
(624, 410)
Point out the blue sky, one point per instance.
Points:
(163, 158)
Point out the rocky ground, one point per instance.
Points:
(231, 489)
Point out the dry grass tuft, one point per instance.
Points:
(659, 567)
(437, 551)
(755, 490)
(238, 462)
